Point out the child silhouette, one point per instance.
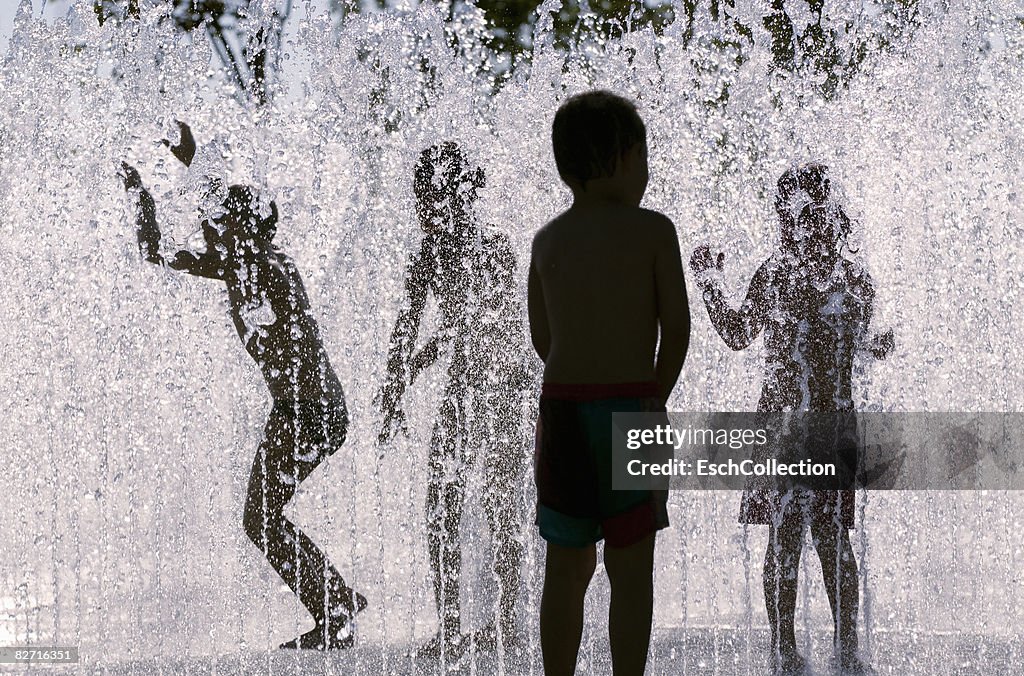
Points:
(814, 306)
(470, 270)
(309, 420)
(609, 319)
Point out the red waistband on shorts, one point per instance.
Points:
(591, 391)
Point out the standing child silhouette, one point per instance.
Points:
(309, 420)
(814, 306)
(609, 319)
(470, 270)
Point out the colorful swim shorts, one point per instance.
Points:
(576, 505)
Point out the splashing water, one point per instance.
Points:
(132, 414)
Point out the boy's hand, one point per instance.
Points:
(394, 421)
(132, 180)
(703, 260)
(185, 149)
(883, 344)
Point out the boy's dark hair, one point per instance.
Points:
(443, 170)
(243, 205)
(591, 132)
(804, 194)
(800, 185)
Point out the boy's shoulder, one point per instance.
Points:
(657, 220)
(565, 223)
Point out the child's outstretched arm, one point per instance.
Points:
(207, 264)
(146, 229)
(403, 341)
(738, 328)
(148, 233)
(673, 309)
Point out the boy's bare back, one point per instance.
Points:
(606, 284)
(608, 274)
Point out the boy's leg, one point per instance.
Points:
(781, 565)
(839, 570)
(275, 476)
(631, 573)
(567, 573)
(504, 471)
(446, 490)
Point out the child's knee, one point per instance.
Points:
(257, 517)
(637, 581)
(832, 543)
(571, 565)
(632, 565)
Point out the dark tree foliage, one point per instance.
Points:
(815, 49)
(512, 21)
(248, 53)
(822, 48)
(116, 10)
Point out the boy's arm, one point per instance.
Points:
(738, 328)
(146, 229)
(148, 234)
(403, 340)
(540, 330)
(508, 336)
(673, 310)
(207, 264)
(881, 344)
(424, 359)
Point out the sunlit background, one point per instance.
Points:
(131, 413)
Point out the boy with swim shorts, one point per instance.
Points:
(609, 318)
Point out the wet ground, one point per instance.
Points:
(721, 652)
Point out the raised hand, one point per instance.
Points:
(146, 230)
(703, 260)
(130, 176)
(883, 344)
(185, 149)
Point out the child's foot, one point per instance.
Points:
(348, 603)
(851, 665)
(344, 597)
(789, 663)
(318, 638)
(336, 632)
